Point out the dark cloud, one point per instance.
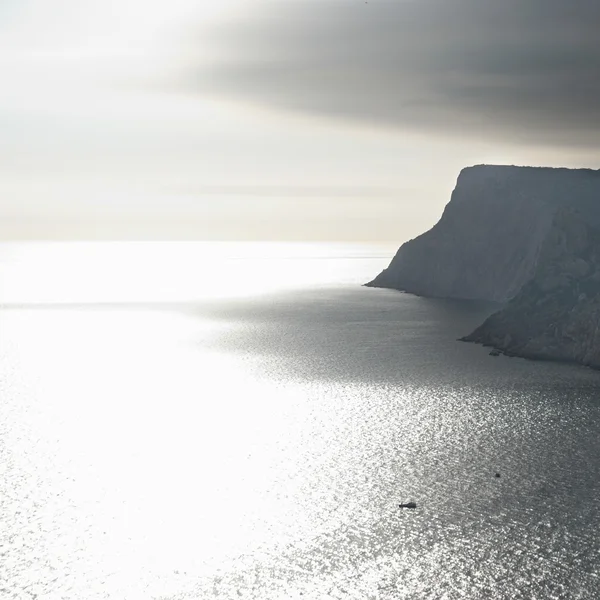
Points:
(528, 69)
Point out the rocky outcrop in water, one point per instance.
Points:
(556, 315)
(487, 244)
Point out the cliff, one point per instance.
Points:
(556, 315)
(487, 244)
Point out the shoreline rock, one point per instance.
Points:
(556, 315)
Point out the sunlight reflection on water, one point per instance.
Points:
(176, 271)
(144, 452)
(257, 447)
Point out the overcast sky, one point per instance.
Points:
(280, 119)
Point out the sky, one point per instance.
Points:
(338, 120)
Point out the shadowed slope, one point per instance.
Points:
(556, 316)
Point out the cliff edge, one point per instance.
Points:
(488, 242)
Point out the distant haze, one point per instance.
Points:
(287, 119)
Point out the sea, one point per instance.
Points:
(242, 420)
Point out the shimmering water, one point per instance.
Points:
(196, 421)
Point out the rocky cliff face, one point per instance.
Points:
(556, 315)
(487, 244)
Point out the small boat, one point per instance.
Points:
(408, 505)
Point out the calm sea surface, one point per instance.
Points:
(227, 421)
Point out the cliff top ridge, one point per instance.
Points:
(518, 170)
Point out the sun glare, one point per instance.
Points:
(73, 34)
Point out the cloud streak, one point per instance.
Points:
(528, 70)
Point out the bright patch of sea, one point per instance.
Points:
(227, 421)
